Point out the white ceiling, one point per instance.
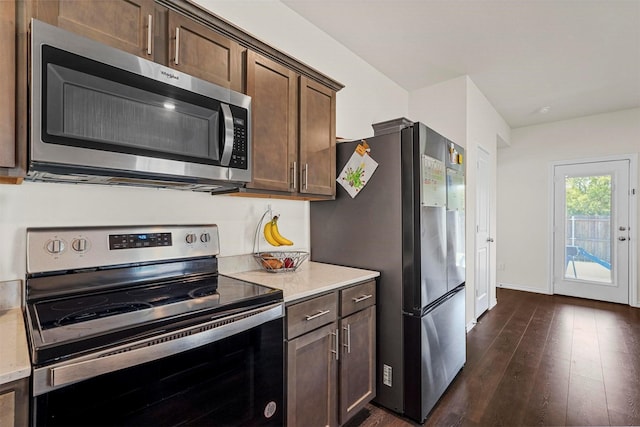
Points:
(576, 57)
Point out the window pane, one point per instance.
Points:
(588, 228)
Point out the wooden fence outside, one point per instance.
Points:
(592, 233)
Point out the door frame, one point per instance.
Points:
(633, 218)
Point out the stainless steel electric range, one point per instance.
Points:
(135, 326)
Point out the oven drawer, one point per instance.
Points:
(357, 297)
(311, 314)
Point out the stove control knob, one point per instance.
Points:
(191, 238)
(205, 237)
(55, 246)
(79, 245)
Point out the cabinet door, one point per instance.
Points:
(317, 138)
(357, 362)
(274, 110)
(312, 378)
(14, 403)
(123, 24)
(7, 83)
(203, 53)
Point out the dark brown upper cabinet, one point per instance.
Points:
(7, 84)
(153, 32)
(293, 131)
(124, 24)
(201, 52)
(274, 109)
(317, 138)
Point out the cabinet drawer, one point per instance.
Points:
(311, 314)
(357, 297)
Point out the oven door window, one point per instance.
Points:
(97, 106)
(236, 381)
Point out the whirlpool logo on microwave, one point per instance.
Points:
(169, 75)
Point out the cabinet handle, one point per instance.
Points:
(348, 338)
(149, 34)
(362, 298)
(175, 60)
(306, 176)
(336, 343)
(294, 178)
(318, 314)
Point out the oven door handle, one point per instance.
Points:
(150, 349)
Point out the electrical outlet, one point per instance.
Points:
(387, 375)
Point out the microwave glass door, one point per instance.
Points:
(96, 106)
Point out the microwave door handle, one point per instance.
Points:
(227, 146)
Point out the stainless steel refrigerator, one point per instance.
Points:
(408, 223)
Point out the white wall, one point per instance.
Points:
(369, 97)
(524, 185)
(442, 107)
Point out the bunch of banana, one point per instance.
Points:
(273, 236)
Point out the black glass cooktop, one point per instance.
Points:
(68, 319)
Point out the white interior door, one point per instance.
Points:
(483, 233)
(591, 230)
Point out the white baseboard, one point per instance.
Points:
(470, 325)
(523, 288)
(535, 290)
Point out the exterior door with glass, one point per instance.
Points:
(591, 230)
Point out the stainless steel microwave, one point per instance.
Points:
(101, 115)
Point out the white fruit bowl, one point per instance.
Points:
(280, 261)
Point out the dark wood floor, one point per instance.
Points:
(541, 360)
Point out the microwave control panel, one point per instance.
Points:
(239, 154)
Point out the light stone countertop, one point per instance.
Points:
(14, 352)
(15, 363)
(311, 278)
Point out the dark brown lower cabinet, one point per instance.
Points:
(358, 362)
(14, 403)
(331, 356)
(312, 382)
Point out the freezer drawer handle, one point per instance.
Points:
(318, 314)
(361, 298)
